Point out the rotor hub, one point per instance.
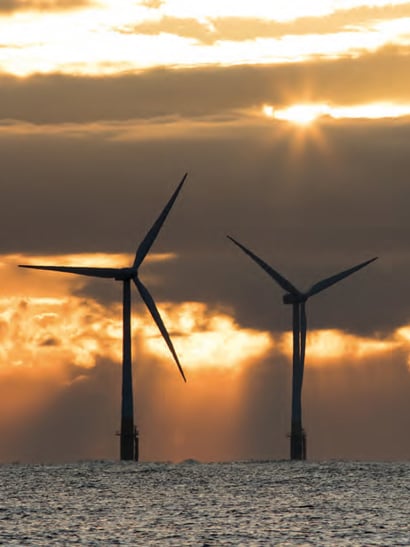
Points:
(125, 273)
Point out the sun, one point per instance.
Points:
(300, 114)
(300, 130)
(268, 110)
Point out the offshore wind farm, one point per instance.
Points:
(293, 121)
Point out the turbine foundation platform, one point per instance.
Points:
(129, 441)
(298, 444)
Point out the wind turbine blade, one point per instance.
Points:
(284, 283)
(93, 272)
(329, 281)
(303, 329)
(149, 239)
(149, 301)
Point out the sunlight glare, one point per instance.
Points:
(107, 43)
(305, 114)
(333, 345)
(268, 110)
(206, 340)
(301, 114)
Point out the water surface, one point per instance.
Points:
(242, 503)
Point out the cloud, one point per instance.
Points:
(34, 335)
(202, 31)
(11, 6)
(211, 30)
(152, 4)
(169, 94)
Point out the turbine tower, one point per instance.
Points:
(298, 299)
(129, 449)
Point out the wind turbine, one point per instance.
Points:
(129, 449)
(298, 299)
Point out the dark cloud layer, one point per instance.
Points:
(382, 76)
(309, 213)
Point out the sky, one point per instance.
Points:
(293, 123)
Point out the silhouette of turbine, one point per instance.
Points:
(129, 449)
(297, 299)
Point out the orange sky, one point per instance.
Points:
(293, 123)
(53, 343)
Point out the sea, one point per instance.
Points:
(255, 503)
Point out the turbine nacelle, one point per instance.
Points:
(123, 274)
(290, 298)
